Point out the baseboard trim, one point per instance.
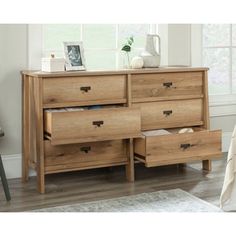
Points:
(12, 163)
(12, 166)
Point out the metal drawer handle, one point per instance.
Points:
(167, 113)
(167, 84)
(185, 146)
(98, 123)
(85, 89)
(85, 149)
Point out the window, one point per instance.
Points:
(102, 43)
(219, 54)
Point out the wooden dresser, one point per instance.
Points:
(91, 119)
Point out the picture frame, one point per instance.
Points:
(74, 55)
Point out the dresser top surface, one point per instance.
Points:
(114, 72)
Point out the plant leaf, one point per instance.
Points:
(126, 48)
(130, 40)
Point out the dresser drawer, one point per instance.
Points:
(92, 125)
(90, 90)
(68, 157)
(178, 148)
(166, 85)
(170, 114)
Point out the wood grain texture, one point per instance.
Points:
(130, 175)
(114, 72)
(161, 98)
(95, 89)
(25, 128)
(39, 133)
(85, 103)
(179, 148)
(60, 158)
(182, 114)
(169, 98)
(79, 125)
(206, 164)
(32, 121)
(166, 85)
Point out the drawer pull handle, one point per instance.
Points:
(85, 149)
(167, 113)
(185, 146)
(85, 89)
(98, 123)
(167, 84)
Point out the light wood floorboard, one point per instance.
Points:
(105, 183)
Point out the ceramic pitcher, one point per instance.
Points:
(150, 56)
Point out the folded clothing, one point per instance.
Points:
(65, 109)
(166, 132)
(156, 132)
(185, 130)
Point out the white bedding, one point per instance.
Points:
(228, 194)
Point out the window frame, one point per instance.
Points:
(153, 28)
(228, 98)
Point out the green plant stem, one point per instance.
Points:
(128, 59)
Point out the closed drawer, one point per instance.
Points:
(90, 90)
(92, 125)
(166, 85)
(170, 114)
(84, 156)
(178, 148)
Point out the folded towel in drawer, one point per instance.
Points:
(185, 130)
(156, 132)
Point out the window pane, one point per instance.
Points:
(99, 59)
(138, 31)
(217, 59)
(216, 35)
(55, 34)
(234, 70)
(99, 36)
(234, 35)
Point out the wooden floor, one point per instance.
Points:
(105, 183)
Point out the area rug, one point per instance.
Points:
(175, 200)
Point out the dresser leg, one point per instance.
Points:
(41, 183)
(206, 165)
(130, 165)
(25, 170)
(25, 129)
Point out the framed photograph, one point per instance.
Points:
(74, 54)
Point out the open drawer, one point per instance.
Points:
(92, 125)
(177, 148)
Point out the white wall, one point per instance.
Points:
(179, 45)
(13, 59)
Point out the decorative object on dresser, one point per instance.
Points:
(74, 54)
(137, 63)
(114, 119)
(151, 57)
(53, 64)
(127, 49)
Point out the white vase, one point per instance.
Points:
(151, 57)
